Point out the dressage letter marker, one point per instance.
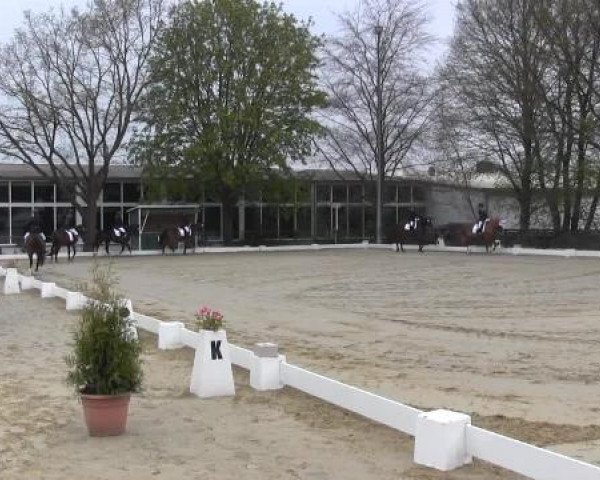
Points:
(215, 350)
(212, 375)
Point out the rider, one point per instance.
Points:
(482, 218)
(413, 221)
(34, 225)
(185, 226)
(118, 226)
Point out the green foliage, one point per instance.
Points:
(105, 358)
(234, 86)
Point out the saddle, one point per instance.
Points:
(73, 234)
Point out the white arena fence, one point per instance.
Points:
(516, 250)
(443, 440)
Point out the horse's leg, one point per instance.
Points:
(74, 251)
(107, 245)
(30, 255)
(420, 248)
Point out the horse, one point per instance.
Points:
(488, 238)
(170, 237)
(35, 245)
(65, 237)
(423, 234)
(108, 235)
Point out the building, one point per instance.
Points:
(321, 205)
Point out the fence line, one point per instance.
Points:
(508, 453)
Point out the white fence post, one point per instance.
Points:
(133, 333)
(11, 282)
(169, 335)
(47, 290)
(27, 282)
(441, 440)
(265, 373)
(75, 301)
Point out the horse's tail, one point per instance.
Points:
(162, 238)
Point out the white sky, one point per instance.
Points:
(322, 11)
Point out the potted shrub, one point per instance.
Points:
(105, 366)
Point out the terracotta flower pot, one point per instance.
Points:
(105, 415)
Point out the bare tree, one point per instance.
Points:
(69, 84)
(495, 65)
(381, 47)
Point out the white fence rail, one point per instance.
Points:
(379, 409)
(526, 459)
(499, 450)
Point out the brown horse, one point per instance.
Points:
(488, 238)
(35, 245)
(65, 237)
(170, 237)
(423, 234)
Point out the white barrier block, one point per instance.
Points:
(262, 248)
(133, 333)
(47, 290)
(441, 441)
(2, 271)
(75, 301)
(212, 375)
(265, 373)
(169, 336)
(27, 283)
(11, 282)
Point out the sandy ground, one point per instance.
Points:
(171, 434)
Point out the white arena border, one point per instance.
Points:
(517, 250)
(443, 440)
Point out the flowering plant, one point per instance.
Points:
(208, 319)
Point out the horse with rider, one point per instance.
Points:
(485, 231)
(418, 230)
(34, 241)
(118, 233)
(68, 235)
(184, 232)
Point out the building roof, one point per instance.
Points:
(20, 171)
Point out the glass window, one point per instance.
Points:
(4, 225)
(341, 222)
(355, 222)
(21, 192)
(304, 218)
(131, 192)
(20, 218)
(419, 194)
(269, 222)
(303, 192)
(404, 194)
(212, 222)
(112, 192)
(340, 193)
(323, 193)
(370, 222)
(110, 213)
(47, 218)
(61, 195)
(44, 192)
(355, 193)
(252, 222)
(370, 193)
(389, 193)
(323, 222)
(65, 217)
(286, 222)
(4, 192)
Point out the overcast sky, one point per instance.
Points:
(322, 11)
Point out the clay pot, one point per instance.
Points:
(105, 415)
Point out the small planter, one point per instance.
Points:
(105, 415)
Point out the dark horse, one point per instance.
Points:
(488, 238)
(65, 237)
(108, 236)
(170, 237)
(35, 245)
(423, 234)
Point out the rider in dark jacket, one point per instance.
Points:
(34, 225)
(482, 216)
(118, 225)
(413, 220)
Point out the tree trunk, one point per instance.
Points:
(229, 202)
(90, 221)
(580, 177)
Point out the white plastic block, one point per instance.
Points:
(265, 373)
(27, 283)
(75, 301)
(262, 248)
(212, 375)
(11, 282)
(440, 440)
(169, 336)
(47, 290)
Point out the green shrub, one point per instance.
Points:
(106, 357)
